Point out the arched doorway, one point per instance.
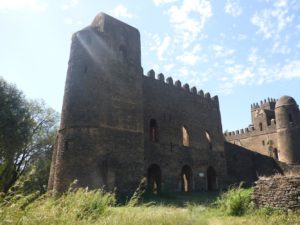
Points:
(154, 179)
(211, 179)
(186, 179)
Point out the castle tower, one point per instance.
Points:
(288, 130)
(101, 140)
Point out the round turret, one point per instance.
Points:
(288, 129)
(285, 101)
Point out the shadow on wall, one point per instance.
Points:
(246, 165)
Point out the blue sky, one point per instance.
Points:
(242, 51)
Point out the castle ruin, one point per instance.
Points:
(275, 130)
(119, 125)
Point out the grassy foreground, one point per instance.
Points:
(97, 207)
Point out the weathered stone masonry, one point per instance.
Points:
(274, 132)
(119, 125)
(278, 192)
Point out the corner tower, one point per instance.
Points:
(288, 130)
(101, 142)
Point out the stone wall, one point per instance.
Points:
(173, 105)
(282, 192)
(245, 165)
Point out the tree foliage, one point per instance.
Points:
(26, 133)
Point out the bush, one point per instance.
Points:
(235, 202)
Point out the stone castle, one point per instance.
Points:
(119, 125)
(275, 130)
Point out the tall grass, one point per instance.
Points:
(72, 207)
(83, 206)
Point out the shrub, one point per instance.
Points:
(235, 202)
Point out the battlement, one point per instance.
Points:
(268, 103)
(205, 97)
(249, 131)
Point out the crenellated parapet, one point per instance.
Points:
(249, 131)
(268, 103)
(205, 97)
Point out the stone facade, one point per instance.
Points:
(119, 125)
(281, 192)
(274, 132)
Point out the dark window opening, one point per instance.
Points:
(154, 179)
(263, 142)
(185, 136)
(211, 179)
(153, 131)
(186, 179)
(275, 153)
(290, 118)
(260, 126)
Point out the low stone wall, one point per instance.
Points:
(282, 192)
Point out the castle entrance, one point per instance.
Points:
(211, 179)
(154, 179)
(186, 179)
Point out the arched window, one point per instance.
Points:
(208, 137)
(153, 131)
(186, 179)
(154, 179)
(260, 126)
(185, 136)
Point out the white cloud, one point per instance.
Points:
(280, 48)
(245, 77)
(221, 51)
(291, 70)
(162, 2)
(158, 46)
(168, 67)
(233, 8)
(271, 22)
(34, 5)
(70, 4)
(163, 47)
(183, 71)
(188, 20)
(155, 67)
(190, 57)
(120, 11)
(252, 58)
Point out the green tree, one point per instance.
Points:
(26, 133)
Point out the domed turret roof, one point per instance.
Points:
(285, 100)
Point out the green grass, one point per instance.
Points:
(97, 207)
